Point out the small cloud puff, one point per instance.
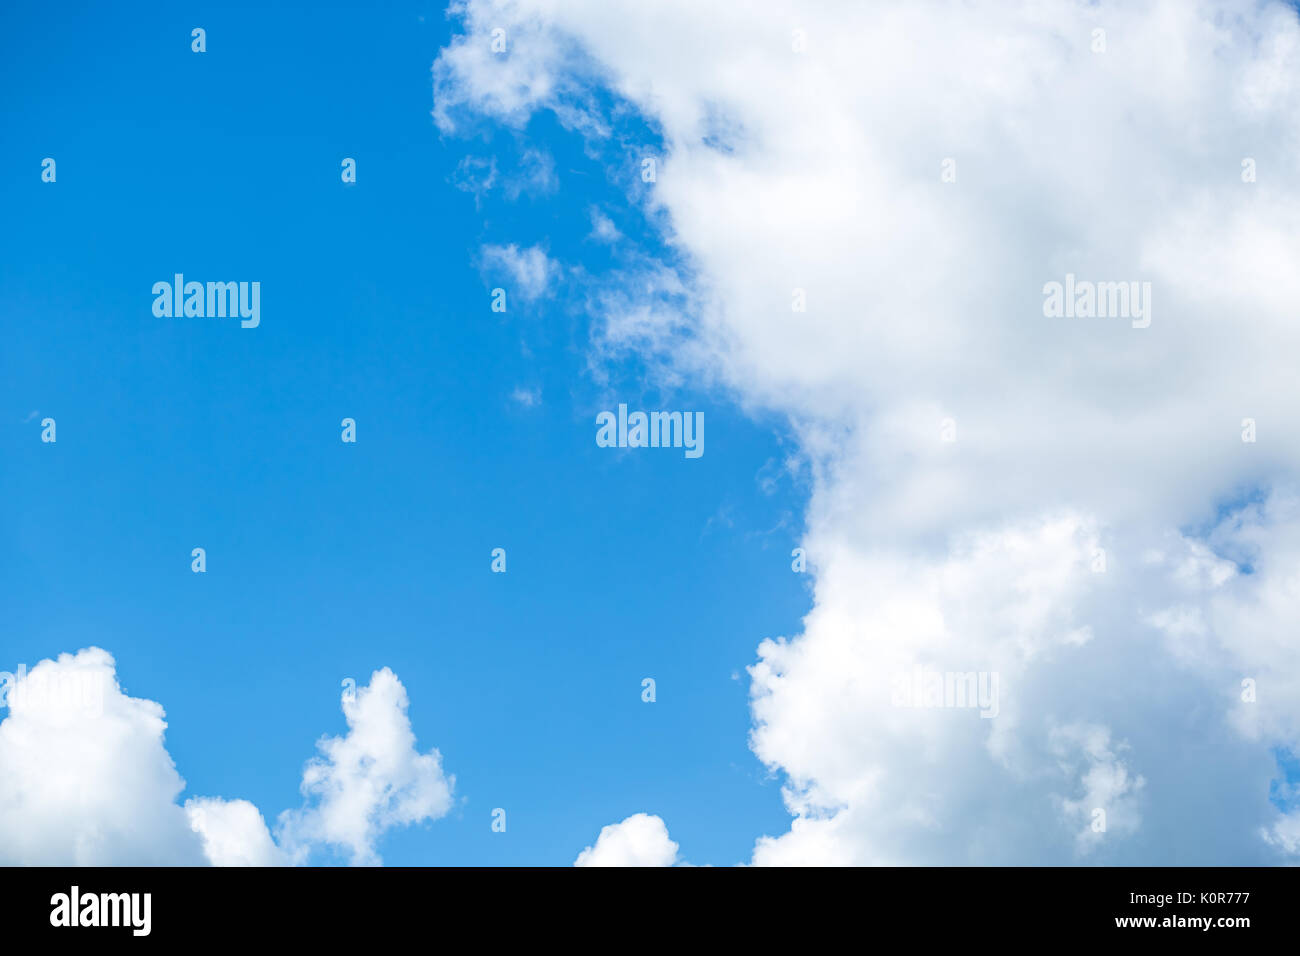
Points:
(640, 840)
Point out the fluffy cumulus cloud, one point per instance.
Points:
(88, 781)
(865, 205)
(640, 840)
(86, 778)
(368, 781)
(233, 833)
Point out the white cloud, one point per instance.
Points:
(640, 840)
(88, 781)
(879, 779)
(1242, 625)
(1284, 834)
(369, 781)
(603, 228)
(821, 171)
(1108, 803)
(233, 833)
(529, 270)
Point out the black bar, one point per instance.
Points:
(975, 906)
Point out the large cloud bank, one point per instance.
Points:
(865, 206)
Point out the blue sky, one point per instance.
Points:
(842, 265)
(328, 560)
